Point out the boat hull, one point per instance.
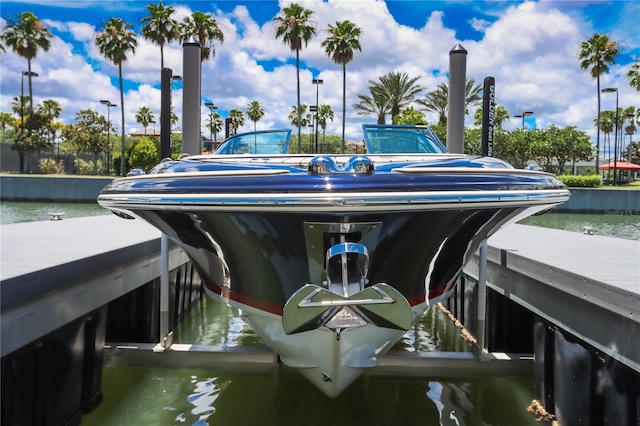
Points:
(330, 270)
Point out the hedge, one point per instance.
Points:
(581, 181)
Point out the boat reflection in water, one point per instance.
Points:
(331, 258)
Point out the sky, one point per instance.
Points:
(529, 47)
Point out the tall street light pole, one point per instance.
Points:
(523, 115)
(317, 82)
(211, 107)
(615, 138)
(109, 106)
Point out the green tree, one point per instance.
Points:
(294, 27)
(115, 41)
(438, 100)
(51, 109)
(144, 154)
(375, 104)
(88, 134)
(397, 88)
(501, 114)
(6, 119)
(410, 115)
(144, 116)
(340, 45)
(237, 119)
(255, 112)
(325, 113)
(160, 27)
(204, 28)
(26, 35)
(299, 114)
(634, 75)
(214, 124)
(514, 147)
(595, 55)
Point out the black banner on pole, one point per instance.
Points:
(165, 113)
(488, 116)
(229, 129)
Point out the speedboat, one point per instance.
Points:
(330, 259)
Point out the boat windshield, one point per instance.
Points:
(401, 139)
(259, 142)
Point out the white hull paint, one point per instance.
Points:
(331, 364)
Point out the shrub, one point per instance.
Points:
(49, 166)
(583, 181)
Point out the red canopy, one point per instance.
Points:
(620, 165)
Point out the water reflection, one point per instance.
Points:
(620, 224)
(162, 396)
(174, 396)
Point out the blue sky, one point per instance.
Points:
(529, 47)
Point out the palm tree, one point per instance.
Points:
(607, 125)
(114, 42)
(237, 118)
(214, 124)
(160, 27)
(294, 26)
(398, 88)
(51, 110)
(595, 55)
(438, 100)
(634, 75)
(298, 116)
(500, 116)
(377, 104)
(26, 35)
(324, 113)
(341, 43)
(204, 28)
(255, 112)
(19, 105)
(144, 116)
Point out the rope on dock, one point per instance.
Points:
(541, 414)
(463, 331)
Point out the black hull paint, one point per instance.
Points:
(260, 259)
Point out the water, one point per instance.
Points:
(620, 224)
(163, 396)
(13, 212)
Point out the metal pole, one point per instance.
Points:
(191, 98)
(455, 120)
(615, 148)
(166, 338)
(482, 296)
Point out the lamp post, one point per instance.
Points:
(109, 106)
(523, 115)
(615, 138)
(25, 74)
(211, 107)
(317, 82)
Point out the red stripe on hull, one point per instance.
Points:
(226, 293)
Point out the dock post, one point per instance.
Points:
(482, 298)
(166, 338)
